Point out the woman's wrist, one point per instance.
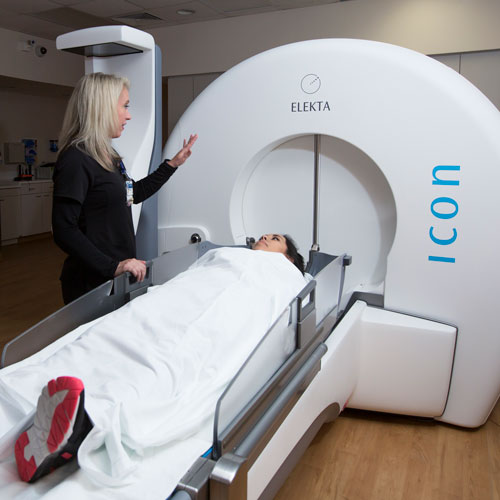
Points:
(118, 269)
(171, 163)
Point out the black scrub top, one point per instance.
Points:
(91, 220)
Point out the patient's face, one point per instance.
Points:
(271, 243)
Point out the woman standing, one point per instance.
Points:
(91, 216)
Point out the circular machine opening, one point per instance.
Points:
(357, 212)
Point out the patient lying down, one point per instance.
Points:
(154, 369)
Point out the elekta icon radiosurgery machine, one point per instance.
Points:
(383, 162)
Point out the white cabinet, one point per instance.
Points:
(31, 210)
(25, 209)
(10, 208)
(36, 207)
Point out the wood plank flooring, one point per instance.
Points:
(360, 456)
(30, 289)
(368, 456)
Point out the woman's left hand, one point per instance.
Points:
(184, 153)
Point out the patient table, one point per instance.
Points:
(372, 149)
(265, 389)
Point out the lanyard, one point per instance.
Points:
(129, 184)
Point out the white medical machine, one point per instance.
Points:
(410, 166)
(358, 149)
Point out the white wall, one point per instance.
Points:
(480, 68)
(428, 26)
(29, 117)
(56, 67)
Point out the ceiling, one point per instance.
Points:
(51, 18)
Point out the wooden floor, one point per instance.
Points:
(366, 456)
(30, 289)
(360, 456)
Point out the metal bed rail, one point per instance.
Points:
(232, 425)
(102, 300)
(94, 304)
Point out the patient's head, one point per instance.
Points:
(281, 243)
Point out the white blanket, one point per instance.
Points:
(153, 371)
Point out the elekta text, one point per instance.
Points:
(310, 106)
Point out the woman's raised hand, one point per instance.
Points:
(184, 153)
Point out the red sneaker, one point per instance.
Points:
(61, 423)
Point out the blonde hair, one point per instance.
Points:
(91, 117)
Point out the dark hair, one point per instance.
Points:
(293, 253)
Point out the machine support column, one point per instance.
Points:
(317, 148)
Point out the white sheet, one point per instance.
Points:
(152, 372)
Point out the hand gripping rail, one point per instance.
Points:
(260, 397)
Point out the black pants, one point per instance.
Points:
(76, 280)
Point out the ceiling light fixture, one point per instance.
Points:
(185, 12)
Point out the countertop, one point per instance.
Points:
(15, 184)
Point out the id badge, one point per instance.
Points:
(130, 192)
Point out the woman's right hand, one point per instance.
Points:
(134, 266)
(184, 153)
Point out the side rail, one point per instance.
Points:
(94, 304)
(100, 301)
(257, 400)
(268, 369)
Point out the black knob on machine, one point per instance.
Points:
(195, 238)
